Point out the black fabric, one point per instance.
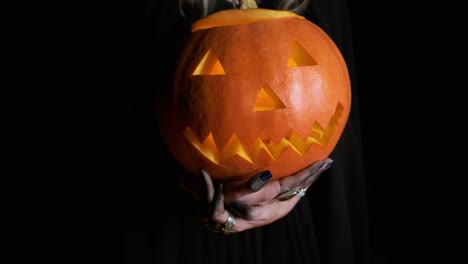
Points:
(332, 224)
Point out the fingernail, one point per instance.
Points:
(265, 176)
(256, 183)
(328, 164)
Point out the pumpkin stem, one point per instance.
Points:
(246, 4)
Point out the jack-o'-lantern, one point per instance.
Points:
(255, 89)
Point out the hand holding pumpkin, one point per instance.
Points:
(255, 203)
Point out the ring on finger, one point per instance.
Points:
(229, 226)
(284, 196)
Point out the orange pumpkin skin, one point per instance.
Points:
(270, 92)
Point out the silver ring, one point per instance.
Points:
(284, 196)
(228, 226)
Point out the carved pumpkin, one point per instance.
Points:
(254, 90)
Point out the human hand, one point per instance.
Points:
(238, 206)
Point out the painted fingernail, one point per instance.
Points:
(257, 182)
(265, 176)
(328, 164)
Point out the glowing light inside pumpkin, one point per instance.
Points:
(267, 100)
(300, 57)
(209, 65)
(318, 135)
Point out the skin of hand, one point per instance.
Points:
(254, 202)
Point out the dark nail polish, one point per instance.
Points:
(265, 176)
(256, 183)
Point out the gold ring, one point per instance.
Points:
(284, 196)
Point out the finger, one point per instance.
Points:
(218, 199)
(236, 190)
(219, 213)
(305, 177)
(314, 174)
(266, 213)
(209, 195)
(210, 190)
(302, 179)
(268, 192)
(240, 209)
(215, 199)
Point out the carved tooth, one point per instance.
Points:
(318, 135)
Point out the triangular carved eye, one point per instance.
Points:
(209, 65)
(267, 100)
(300, 57)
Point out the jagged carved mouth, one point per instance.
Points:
(318, 135)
